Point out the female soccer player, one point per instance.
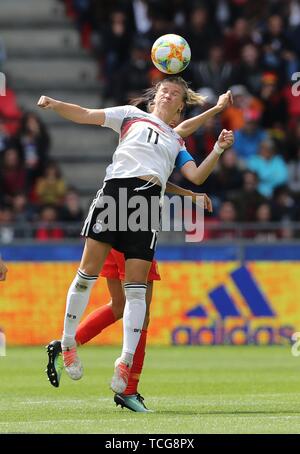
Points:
(147, 150)
(114, 272)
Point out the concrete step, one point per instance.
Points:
(28, 100)
(33, 86)
(47, 39)
(83, 141)
(58, 71)
(52, 54)
(18, 12)
(88, 177)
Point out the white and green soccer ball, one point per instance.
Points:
(171, 54)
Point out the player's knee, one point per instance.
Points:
(82, 282)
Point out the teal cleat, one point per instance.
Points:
(134, 402)
(55, 364)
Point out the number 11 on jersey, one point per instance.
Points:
(151, 131)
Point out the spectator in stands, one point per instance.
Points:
(293, 142)
(236, 38)
(72, 212)
(12, 174)
(270, 168)
(248, 139)
(207, 136)
(7, 233)
(275, 106)
(82, 10)
(228, 177)
(161, 18)
(235, 115)
(215, 72)
(226, 216)
(292, 95)
(50, 188)
(140, 12)
(294, 172)
(264, 232)
(277, 54)
(23, 211)
(33, 141)
(115, 45)
(250, 68)
(135, 74)
(48, 228)
(4, 137)
(10, 112)
(247, 199)
(293, 38)
(283, 205)
(199, 31)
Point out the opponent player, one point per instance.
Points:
(114, 272)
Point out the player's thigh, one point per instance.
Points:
(137, 270)
(116, 291)
(93, 257)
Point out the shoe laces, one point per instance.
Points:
(69, 356)
(140, 399)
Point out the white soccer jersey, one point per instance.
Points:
(147, 145)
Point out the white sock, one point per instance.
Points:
(77, 300)
(133, 319)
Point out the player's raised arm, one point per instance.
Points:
(189, 126)
(172, 188)
(198, 175)
(73, 112)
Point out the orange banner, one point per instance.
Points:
(194, 303)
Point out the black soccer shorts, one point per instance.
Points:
(115, 219)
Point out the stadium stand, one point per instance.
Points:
(97, 54)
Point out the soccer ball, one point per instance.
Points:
(171, 54)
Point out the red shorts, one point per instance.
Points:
(114, 267)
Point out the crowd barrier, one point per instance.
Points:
(207, 295)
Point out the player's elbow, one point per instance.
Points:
(196, 179)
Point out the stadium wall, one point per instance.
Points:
(208, 295)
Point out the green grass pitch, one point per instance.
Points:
(192, 390)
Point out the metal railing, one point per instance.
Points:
(270, 232)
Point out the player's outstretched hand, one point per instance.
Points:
(225, 139)
(207, 201)
(224, 100)
(46, 103)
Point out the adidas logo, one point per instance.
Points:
(230, 326)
